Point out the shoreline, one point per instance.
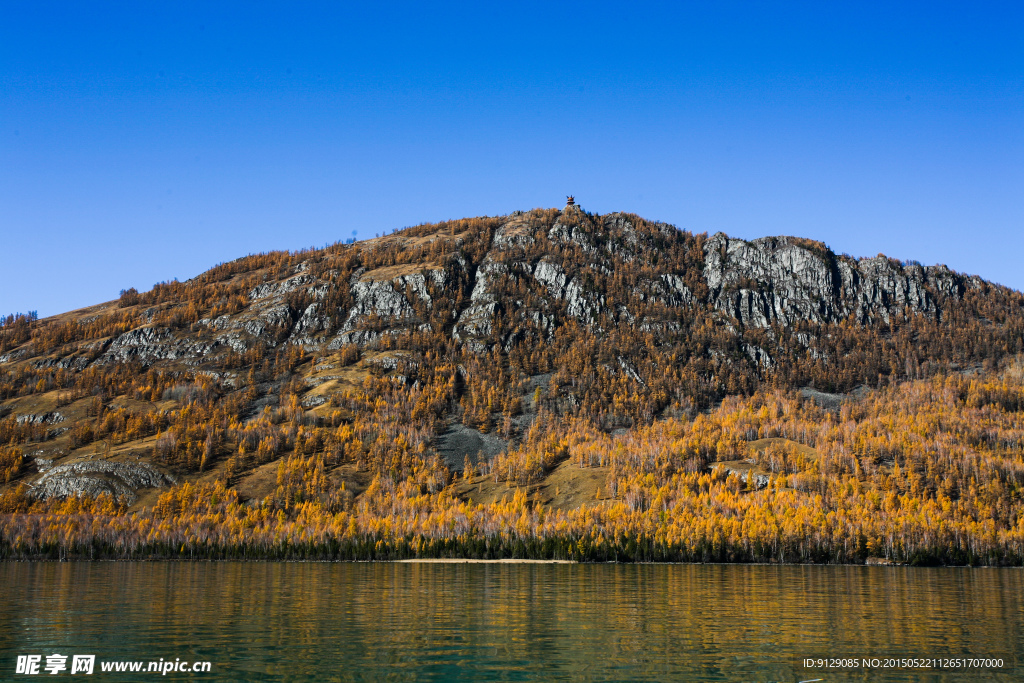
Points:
(506, 560)
(470, 560)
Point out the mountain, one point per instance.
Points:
(468, 360)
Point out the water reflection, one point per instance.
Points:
(288, 621)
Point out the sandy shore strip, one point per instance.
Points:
(461, 560)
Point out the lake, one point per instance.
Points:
(512, 622)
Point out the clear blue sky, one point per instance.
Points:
(144, 141)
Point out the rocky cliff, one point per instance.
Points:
(783, 280)
(541, 269)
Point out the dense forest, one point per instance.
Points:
(550, 384)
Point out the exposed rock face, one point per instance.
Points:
(562, 266)
(45, 418)
(822, 399)
(513, 256)
(94, 478)
(390, 296)
(277, 289)
(460, 442)
(670, 290)
(149, 344)
(781, 280)
(475, 321)
(560, 287)
(572, 234)
(8, 357)
(309, 326)
(754, 477)
(393, 360)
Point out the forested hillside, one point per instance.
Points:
(545, 384)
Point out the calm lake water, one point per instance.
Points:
(510, 622)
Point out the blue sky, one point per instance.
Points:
(142, 142)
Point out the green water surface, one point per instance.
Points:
(512, 622)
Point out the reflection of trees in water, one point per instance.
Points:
(450, 620)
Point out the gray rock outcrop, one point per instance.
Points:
(781, 280)
(120, 480)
